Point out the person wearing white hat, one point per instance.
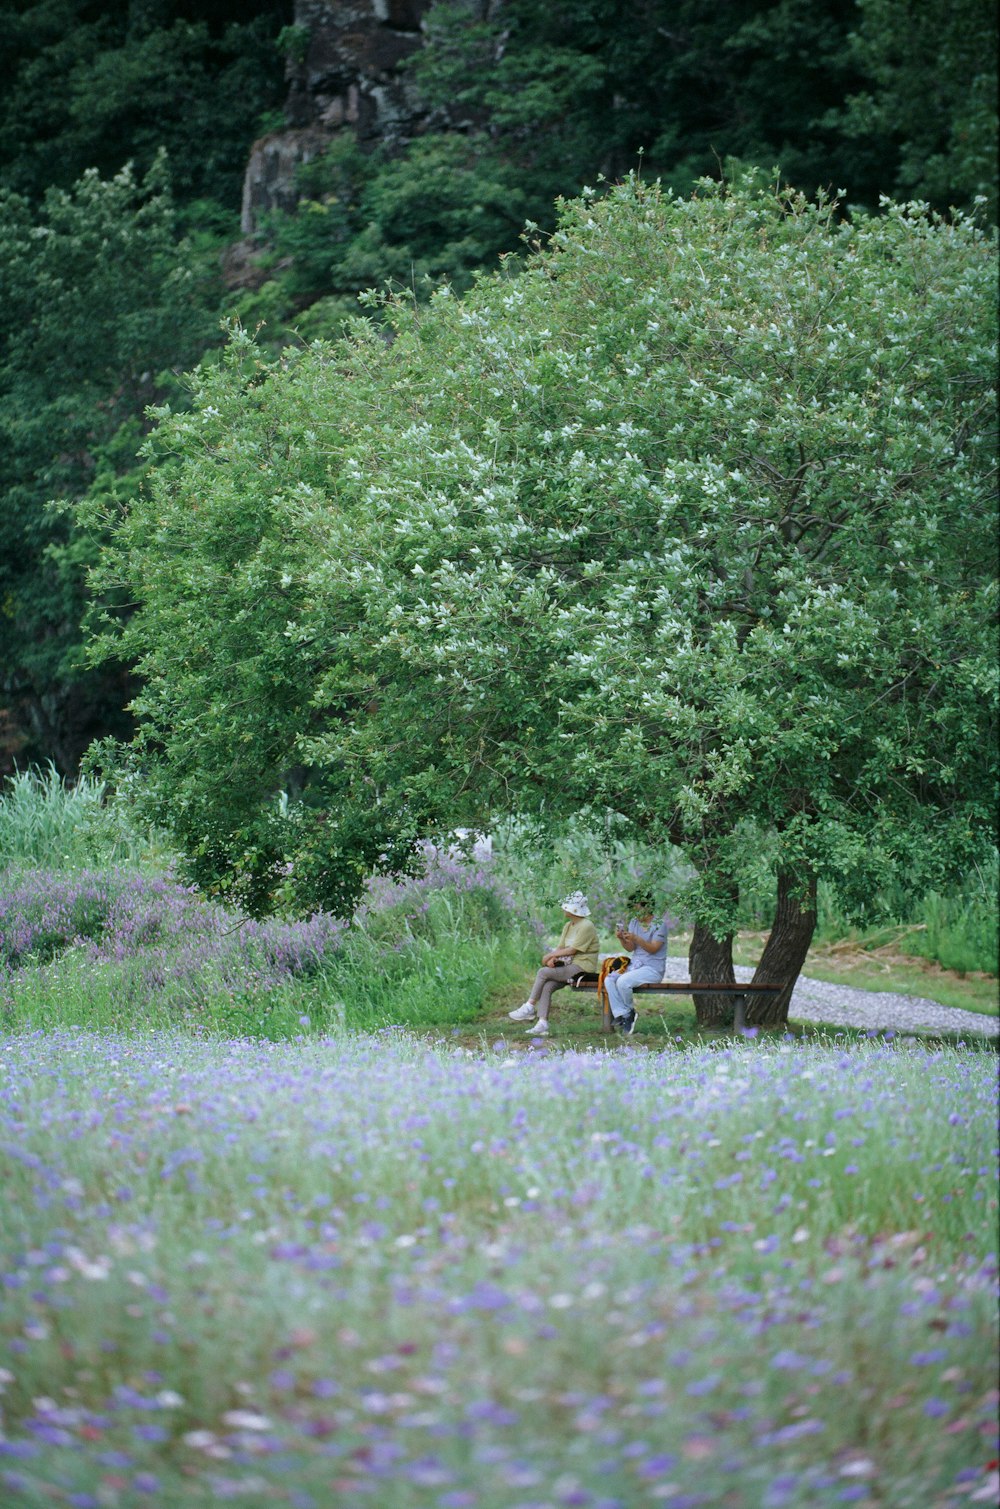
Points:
(574, 954)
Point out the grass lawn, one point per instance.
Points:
(666, 1022)
(670, 1021)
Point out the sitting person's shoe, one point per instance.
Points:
(539, 1028)
(525, 1013)
(626, 1023)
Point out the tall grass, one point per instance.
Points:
(44, 821)
(959, 932)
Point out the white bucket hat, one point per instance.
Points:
(577, 904)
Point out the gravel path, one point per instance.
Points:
(877, 1010)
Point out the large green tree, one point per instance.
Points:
(692, 518)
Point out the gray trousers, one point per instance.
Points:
(549, 978)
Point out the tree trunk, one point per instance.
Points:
(785, 950)
(710, 962)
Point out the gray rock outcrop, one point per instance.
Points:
(346, 75)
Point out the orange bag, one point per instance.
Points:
(612, 966)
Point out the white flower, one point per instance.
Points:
(246, 1419)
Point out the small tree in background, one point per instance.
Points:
(692, 518)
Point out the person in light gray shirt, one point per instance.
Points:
(646, 940)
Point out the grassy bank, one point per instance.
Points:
(883, 967)
(121, 949)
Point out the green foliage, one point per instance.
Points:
(527, 101)
(958, 929)
(443, 982)
(572, 91)
(597, 853)
(533, 100)
(961, 932)
(91, 87)
(930, 96)
(536, 102)
(99, 298)
(569, 92)
(116, 948)
(693, 520)
(442, 210)
(293, 41)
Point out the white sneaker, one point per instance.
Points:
(525, 1013)
(539, 1028)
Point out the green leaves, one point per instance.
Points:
(97, 298)
(97, 87)
(692, 520)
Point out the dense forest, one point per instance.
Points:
(125, 133)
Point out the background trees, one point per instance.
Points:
(533, 102)
(109, 285)
(89, 85)
(99, 297)
(928, 99)
(531, 99)
(692, 519)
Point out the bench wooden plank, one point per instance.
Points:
(739, 992)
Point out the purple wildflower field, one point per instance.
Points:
(114, 947)
(112, 916)
(363, 1270)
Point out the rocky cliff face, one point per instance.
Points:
(345, 76)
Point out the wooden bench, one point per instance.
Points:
(737, 993)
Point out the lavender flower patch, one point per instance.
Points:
(159, 934)
(367, 1272)
(109, 948)
(449, 878)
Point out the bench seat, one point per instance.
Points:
(737, 992)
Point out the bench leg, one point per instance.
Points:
(605, 1014)
(739, 1012)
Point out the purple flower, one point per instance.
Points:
(789, 1362)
